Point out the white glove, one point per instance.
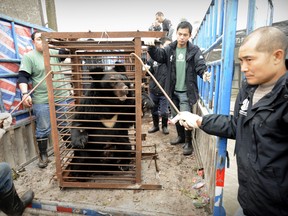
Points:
(206, 76)
(6, 119)
(145, 66)
(149, 41)
(187, 120)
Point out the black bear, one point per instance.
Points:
(101, 124)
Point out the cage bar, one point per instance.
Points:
(112, 156)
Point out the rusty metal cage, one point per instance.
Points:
(111, 158)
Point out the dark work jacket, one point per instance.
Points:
(167, 26)
(159, 71)
(261, 133)
(195, 65)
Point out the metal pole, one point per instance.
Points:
(157, 83)
(24, 98)
(229, 38)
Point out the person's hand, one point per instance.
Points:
(28, 100)
(6, 120)
(206, 76)
(187, 120)
(149, 41)
(145, 66)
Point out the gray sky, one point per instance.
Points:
(132, 15)
(124, 15)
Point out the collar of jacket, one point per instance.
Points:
(278, 95)
(281, 84)
(191, 51)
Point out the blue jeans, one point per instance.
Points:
(6, 181)
(161, 104)
(42, 114)
(181, 101)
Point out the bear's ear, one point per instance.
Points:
(96, 76)
(120, 68)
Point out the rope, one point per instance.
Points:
(102, 35)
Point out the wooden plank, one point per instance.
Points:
(19, 145)
(111, 186)
(104, 35)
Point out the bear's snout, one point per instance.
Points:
(125, 90)
(122, 92)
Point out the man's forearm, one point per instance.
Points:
(23, 87)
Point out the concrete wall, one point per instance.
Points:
(27, 11)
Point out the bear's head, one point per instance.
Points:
(118, 82)
(113, 84)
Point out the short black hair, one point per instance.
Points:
(164, 39)
(159, 13)
(119, 67)
(269, 39)
(185, 24)
(34, 33)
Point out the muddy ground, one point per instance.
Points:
(177, 175)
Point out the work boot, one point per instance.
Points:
(11, 204)
(181, 135)
(187, 147)
(155, 126)
(165, 125)
(43, 155)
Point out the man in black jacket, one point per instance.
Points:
(159, 71)
(184, 62)
(166, 24)
(259, 124)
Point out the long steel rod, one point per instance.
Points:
(30, 92)
(157, 83)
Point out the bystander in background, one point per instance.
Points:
(166, 24)
(161, 107)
